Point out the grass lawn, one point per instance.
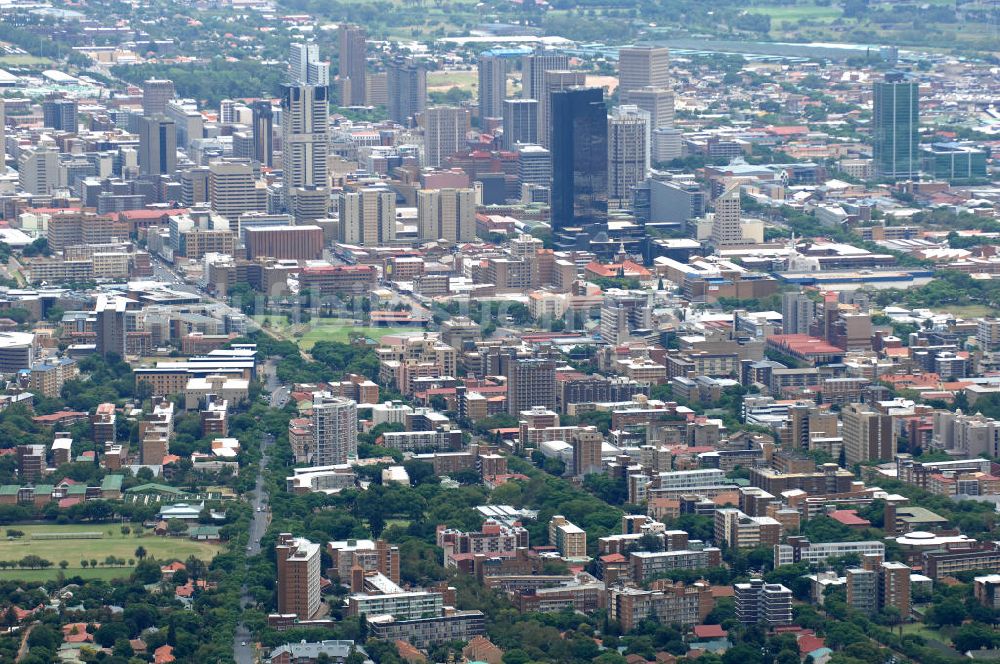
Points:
(796, 12)
(923, 630)
(112, 544)
(43, 575)
(23, 60)
(968, 310)
(340, 332)
(442, 81)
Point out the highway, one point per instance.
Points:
(243, 650)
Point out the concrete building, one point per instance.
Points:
(445, 129)
(446, 214)
(640, 67)
(335, 429)
(759, 602)
(305, 138)
(156, 93)
(233, 190)
(157, 145)
(531, 382)
(407, 89)
(493, 68)
(368, 217)
(520, 122)
(298, 583)
(868, 435)
(628, 152)
(568, 538)
(353, 65)
(657, 101)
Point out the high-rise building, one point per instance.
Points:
(658, 102)
(628, 152)
(640, 67)
(727, 224)
(157, 145)
(579, 166)
(305, 67)
(155, 95)
(879, 585)
(110, 325)
(445, 129)
(798, 311)
(587, 448)
(194, 186)
(38, 170)
(60, 114)
(304, 131)
(553, 81)
(534, 165)
(368, 217)
(895, 127)
(407, 89)
(335, 429)
(520, 122)
(233, 190)
(227, 111)
(868, 435)
(568, 538)
(298, 564)
(530, 382)
(534, 65)
(493, 68)
(446, 214)
(675, 201)
(263, 132)
(353, 75)
(770, 603)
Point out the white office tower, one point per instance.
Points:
(658, 102)
(534, 65)
(628, 152)
(493, 69)
(227, 111)
(667, 144)
(335, 429)
(727, 224)
(156, 93)
(640, 67)
(305, 145)
(368, 217)
(233, 190)
(445, 129)
(38, 170)
(447, 214)
(304, 66)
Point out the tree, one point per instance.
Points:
(63, 564)
(84, 563)
(948, 612)
(140, 552)
(176, 527)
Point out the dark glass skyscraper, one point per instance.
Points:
(579, 166)
(895, 128)
(263, 132)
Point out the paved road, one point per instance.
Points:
(243, 651)
(279, 393)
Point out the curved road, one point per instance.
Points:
(243, 650)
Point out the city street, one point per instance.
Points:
(243, 650)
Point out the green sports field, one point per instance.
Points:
(113, 543)
(328, 329)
